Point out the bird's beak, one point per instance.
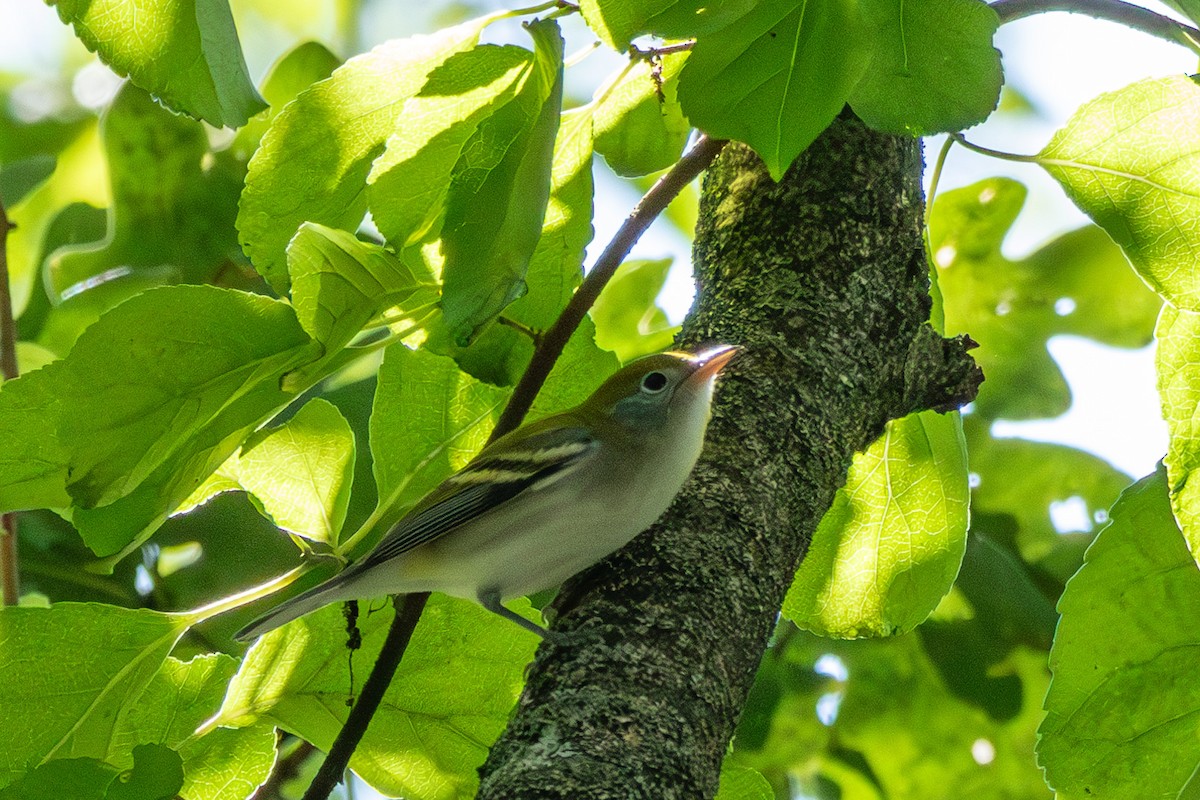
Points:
(711, 361)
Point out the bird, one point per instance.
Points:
(545, 501)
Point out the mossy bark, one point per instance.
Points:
(822, 279)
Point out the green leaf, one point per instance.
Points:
(292, 73)
(152, 399)
(617, 22)
(19, 178)
(222, 764)
(106, 656)
(640, 127)
(171, 218)
(77, 778)
(408, 184)
(33, 462)
(889, 726)
(743, 783)
(1079, 283)
(80, 176)
(450, 698)
(313, 162)
(158, 369)
(577, 373)
(429, 420)
(156, 774)
(1177, 357)
(1021, 613)
(1023, 480)
(1130, 160)
(628, 320)
(889, 548)
(56, 327)
(556, 267)
(777, 77)
(299, 473)
(934, 67)
(1191, 10)
(1122, 708)
(500, 354)
(339, 283)
(498, 195)
(185, 52)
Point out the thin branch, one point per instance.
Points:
(556, 338)
(1126, 14)
(10, 584)
(408, 612)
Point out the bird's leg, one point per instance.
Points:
(490, 599)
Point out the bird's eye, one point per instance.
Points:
(654, 382)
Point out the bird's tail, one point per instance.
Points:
(331, 591)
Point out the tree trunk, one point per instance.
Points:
(822, 278)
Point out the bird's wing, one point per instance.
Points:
(498, 475)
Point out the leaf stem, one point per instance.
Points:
(1127, 14)
(555, 339)
(10, 582)
(936, 178)
(537, 9)
(408, 613)
(249, 595)
(521, 328)
(1000, 154)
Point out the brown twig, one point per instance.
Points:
(408, 612)
(10, 586)
(651, 53)
(1126, 14)
(556, 338)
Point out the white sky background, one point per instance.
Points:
(1058, 61)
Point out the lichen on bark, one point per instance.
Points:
(822, 279)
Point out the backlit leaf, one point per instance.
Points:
(449, 700)
(106, 656)
(1122, 708)
(152, 399)
(429, 420)
(890, 547)
(628, 319)
(616, 22)
(340, 283)
(640, 127)
(183, 51)
(1131, 160)
(1178, 357)
(498, 195)
(299, 473)
(1079, 283)
(313, 162)
(934, 67)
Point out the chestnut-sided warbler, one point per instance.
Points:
(545, 501)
